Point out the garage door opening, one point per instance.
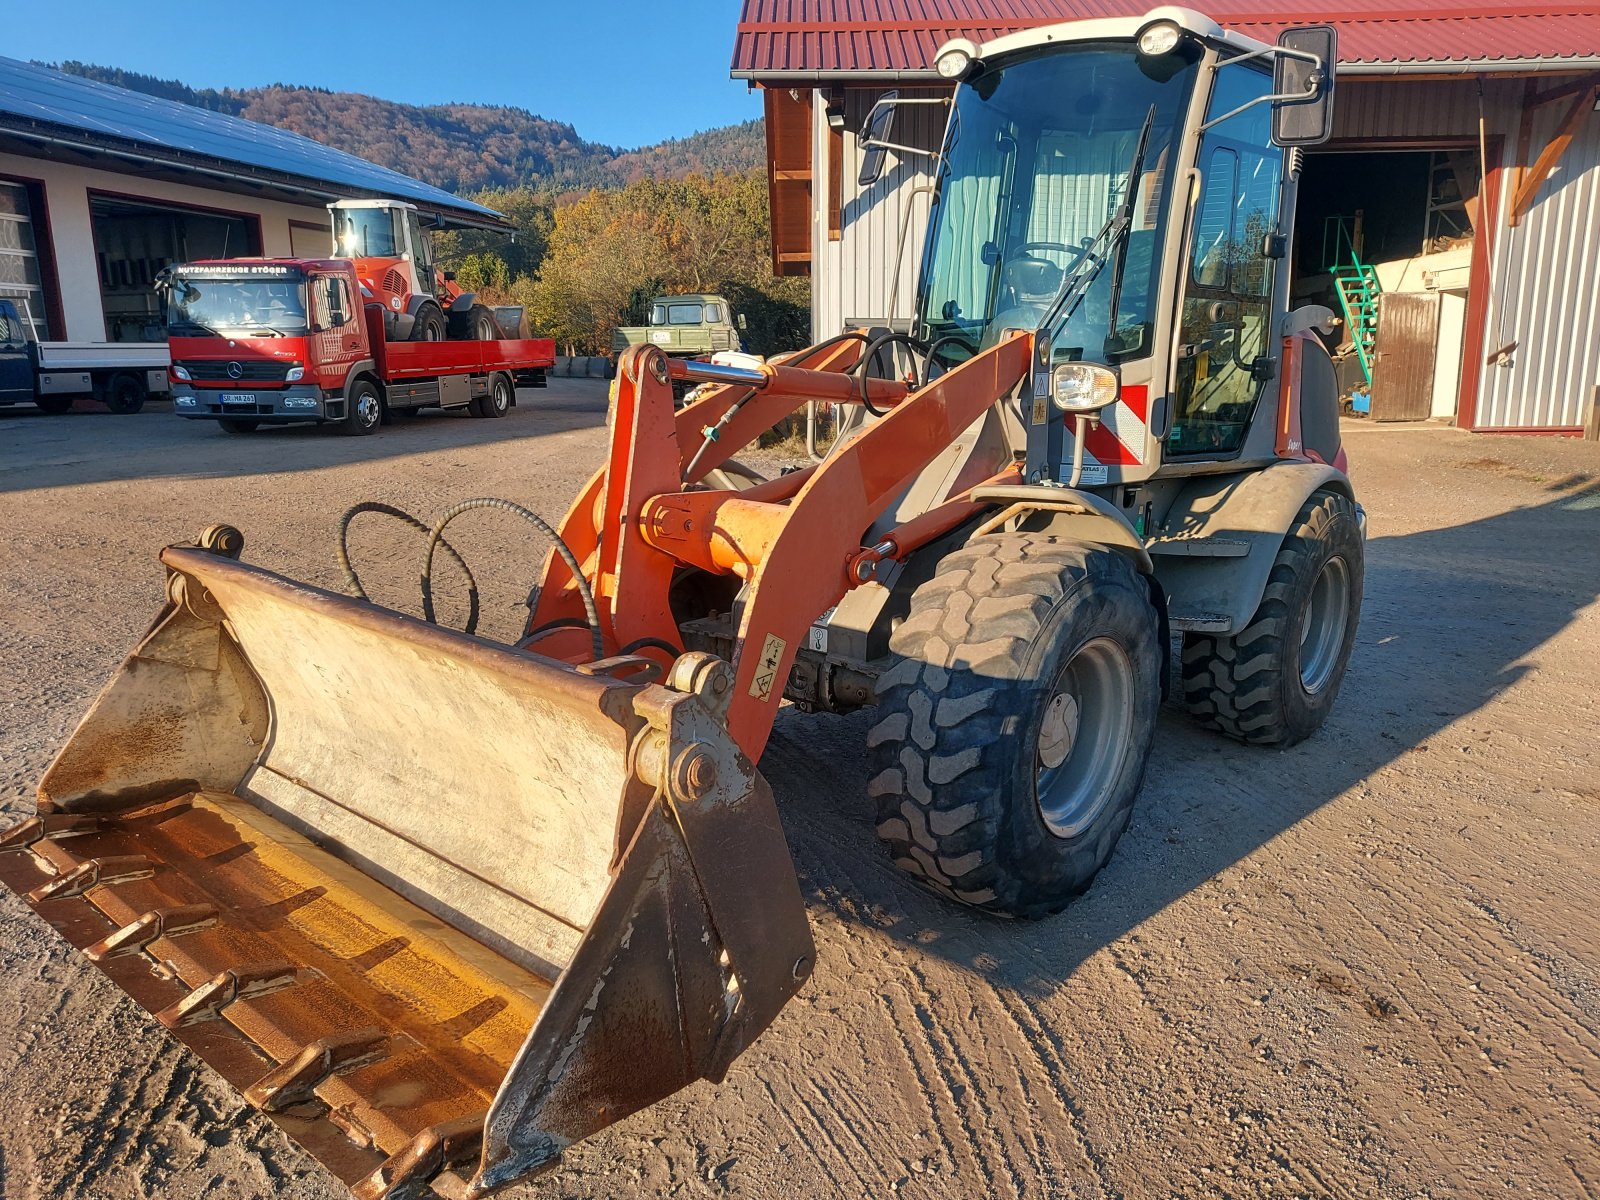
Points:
(133, 241)
(1384, 239)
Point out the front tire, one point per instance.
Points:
(1276, 681)
(1015, 727)
(363, 410)
(430, 324)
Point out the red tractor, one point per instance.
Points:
(393, 257)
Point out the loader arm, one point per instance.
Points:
(795, 554)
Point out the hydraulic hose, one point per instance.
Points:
(353, 581)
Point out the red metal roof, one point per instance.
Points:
(882, 37)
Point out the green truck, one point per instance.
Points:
(685, 327)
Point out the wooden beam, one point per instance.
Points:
(1529, 186)
(1551, 95)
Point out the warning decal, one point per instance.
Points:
(767, 668)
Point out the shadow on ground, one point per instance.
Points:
(1449, 616)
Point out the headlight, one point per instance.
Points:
(1159, 37)
(181, 373)
(1084, 387)
(296, 374)
(955, 59)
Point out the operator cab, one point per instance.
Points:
(368, 229)
(1120, 188)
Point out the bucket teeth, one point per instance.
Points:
(92, 873)
(407, 1174)
(295, 1081)
(208, 1000)
(49, 825)
(147, 927)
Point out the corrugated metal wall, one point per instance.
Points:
(1545, 292)
(851, 276)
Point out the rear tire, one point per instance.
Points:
(1275, 682)
(1015, 726)
(54, 405)
(496, 402)
(238, 425)
(481, 326)
(430, 324)
(126, 393)
(363, 410)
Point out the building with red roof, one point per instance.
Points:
(1464, 169)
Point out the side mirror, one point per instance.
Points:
(875, 137)
(1302, 83)
(743, 324)
(449, 276)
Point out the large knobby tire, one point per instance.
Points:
(481, 326)
(126, 393)
(430, 325)
(1275, 682)
(1014, 730)
(363, 410)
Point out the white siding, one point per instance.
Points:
(1545, 292)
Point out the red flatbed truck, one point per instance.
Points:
(281, 340)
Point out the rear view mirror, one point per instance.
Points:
(1302, 83)
(875, 138)
(743, 324)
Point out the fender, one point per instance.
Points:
(463, 303)
(1216, 543)
(1066, 512)
(361, 367)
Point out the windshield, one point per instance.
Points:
(246, 306)
(1036, 166)
(364, 233)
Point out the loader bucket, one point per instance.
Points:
(438, 907)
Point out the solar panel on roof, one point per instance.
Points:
(35, 93)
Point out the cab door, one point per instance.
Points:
(336, 337)
(16, 368)
(1225, 328)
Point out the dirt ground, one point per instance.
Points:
(1362, 967)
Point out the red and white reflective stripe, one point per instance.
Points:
(1119, 439)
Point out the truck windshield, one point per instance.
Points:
(677, 314)
(365, 233)
(1035, 166)
(252, 307)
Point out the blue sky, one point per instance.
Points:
(625, 72)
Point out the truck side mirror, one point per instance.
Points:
(875, 137)
(743, 324)
(1302, 85)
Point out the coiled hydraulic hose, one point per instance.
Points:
(585, 592)
(352, 581)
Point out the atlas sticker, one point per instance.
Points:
(767, 668)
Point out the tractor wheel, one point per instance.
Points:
(238, 425)
(1275, 682)
(1015, 725)
(481, 326)
(363, 410)
(126, 393)
(496, 402)
(54, 405)
(430, 324)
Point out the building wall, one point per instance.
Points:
(67, 189)
(1545, 280)
(1545, 292)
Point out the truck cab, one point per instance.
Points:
(265, 339)
(687, 325)
(16, 364)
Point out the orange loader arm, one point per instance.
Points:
(795, 543)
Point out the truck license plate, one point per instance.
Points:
(238, 397)
(661, 339)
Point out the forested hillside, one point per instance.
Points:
(460, 147)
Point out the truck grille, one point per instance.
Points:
(250, 370)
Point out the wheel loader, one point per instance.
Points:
(441, 907)
(393, 257)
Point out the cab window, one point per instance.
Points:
(333, 302)
(1225, 325)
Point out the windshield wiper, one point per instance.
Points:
(184, 324)
(1089, 265)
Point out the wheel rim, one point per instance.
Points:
(1322, 632)
(1084, 737)
(367, 409)
(502, 401)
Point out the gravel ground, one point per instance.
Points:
(1364, 966)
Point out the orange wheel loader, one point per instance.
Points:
(441, 907)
